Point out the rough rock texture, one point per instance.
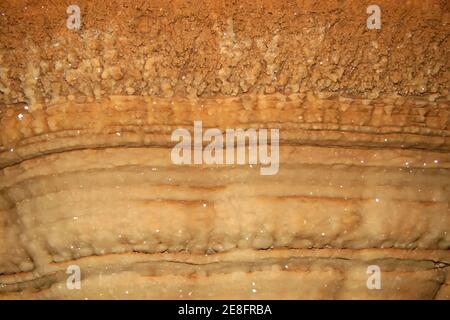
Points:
(85, 170)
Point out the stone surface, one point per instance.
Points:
(85, 171)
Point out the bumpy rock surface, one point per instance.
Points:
(86, 176)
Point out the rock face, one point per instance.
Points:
(86, 176)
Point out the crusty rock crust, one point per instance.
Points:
(210, 48)
(85, 170)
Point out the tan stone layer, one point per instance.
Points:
(243, 274)
(140, 121)
(79, 203)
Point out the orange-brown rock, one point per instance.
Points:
(86, 176)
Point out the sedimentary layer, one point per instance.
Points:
(243, 274)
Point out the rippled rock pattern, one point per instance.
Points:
(86, 176)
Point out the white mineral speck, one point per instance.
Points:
(20, 116)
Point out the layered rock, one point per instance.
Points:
(87, 179)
